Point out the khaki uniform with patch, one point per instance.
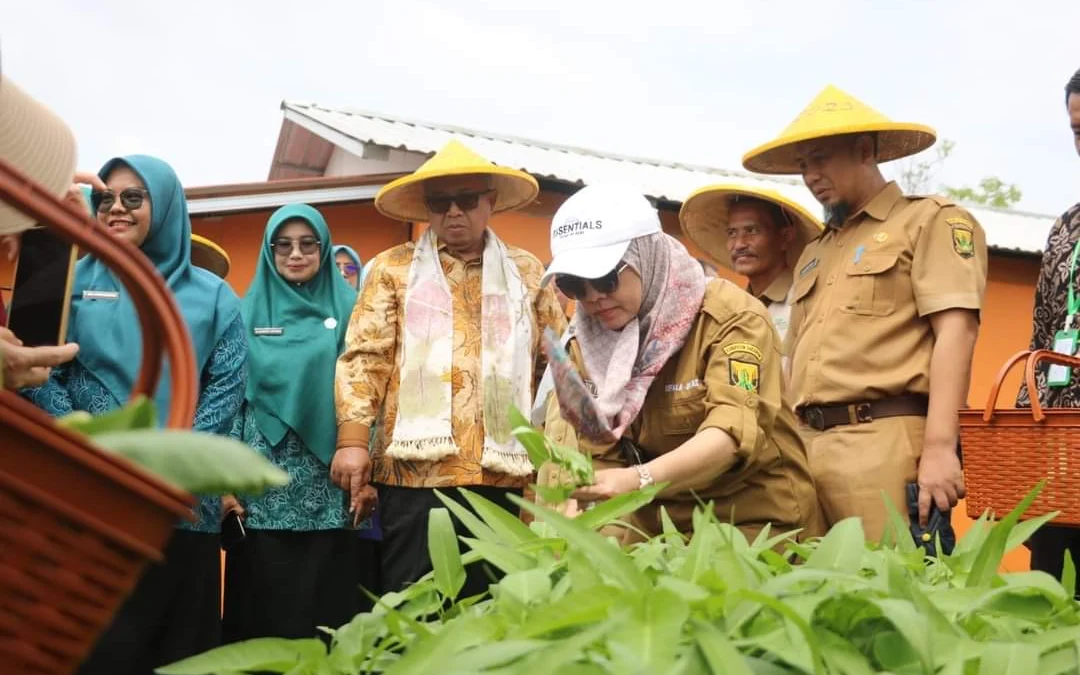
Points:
(860, 332)
(777, 300)
(726, 376)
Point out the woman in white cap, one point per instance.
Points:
(670, 377)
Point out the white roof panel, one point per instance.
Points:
(1005, 229)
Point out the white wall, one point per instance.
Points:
(378, 159)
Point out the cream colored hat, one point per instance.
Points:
(704, 219)
(836, 113)
(403, 199)
(36, 142)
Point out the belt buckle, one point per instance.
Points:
(814, 417)
(863, 414)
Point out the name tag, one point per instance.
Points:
(683, 386)
(268, 331)
(101, 295)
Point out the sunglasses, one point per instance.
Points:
(466, 201)
(284, 246)
(130, 198)
(348, 269)
(574, 287)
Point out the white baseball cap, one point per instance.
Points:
(592, 229)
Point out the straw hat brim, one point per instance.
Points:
(704, 220)
(35, 141)
(403, 199)
(209, 256)
(894, 141)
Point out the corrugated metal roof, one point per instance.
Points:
(671, 181)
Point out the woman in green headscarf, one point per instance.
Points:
(298, 567)
(174, 611)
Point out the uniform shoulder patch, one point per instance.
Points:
(743, 348)
(744, 375)
(963, 237)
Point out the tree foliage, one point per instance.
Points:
(919, 177)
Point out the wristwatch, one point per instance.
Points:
(645, 478)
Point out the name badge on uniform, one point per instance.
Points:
(1065, 342)
(100, 295)
(808, 267)
(268, 331)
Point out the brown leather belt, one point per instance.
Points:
(822, 417)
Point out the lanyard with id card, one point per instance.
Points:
(1065, 341)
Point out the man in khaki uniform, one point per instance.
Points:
(885, 314)
(756, 232)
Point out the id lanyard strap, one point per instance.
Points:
(1073, 301)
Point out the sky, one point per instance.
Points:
(200, 83)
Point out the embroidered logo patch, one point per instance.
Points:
(745, 348)
(963, 240)
(808, 267)
(744, 375)
(881, 237)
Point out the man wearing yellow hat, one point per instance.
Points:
(756, 232)
(885, 314)
(445, 338)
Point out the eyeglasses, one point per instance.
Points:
(466, 201)
(348, 268)
(130, 198)
(284, 246)
(574, 287)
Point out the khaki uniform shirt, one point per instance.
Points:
(863, 294)
(368, 378)
(727, 376)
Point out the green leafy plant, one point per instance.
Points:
(572, 601)
(196, 462)
(562, 469)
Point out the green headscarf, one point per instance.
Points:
(107, 328)
(296, 333)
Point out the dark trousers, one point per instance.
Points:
(1048, 547)
(173, 613)
(286, 584)
(404, 514)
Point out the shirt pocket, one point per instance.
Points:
(686, 414)
(870, 285)
(803, 287)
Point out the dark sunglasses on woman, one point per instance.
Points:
(466, 201)
(284, 246)
(348, 269)
(574, 287)
(130, 198)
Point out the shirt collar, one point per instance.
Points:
(778, 289)
(882, 204)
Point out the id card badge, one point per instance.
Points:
(1065, 342)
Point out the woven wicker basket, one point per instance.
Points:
(77, 526)
(1007, 452)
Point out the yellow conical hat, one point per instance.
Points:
(834, 113)
(403, 199)
(209, 256)
(704, 219)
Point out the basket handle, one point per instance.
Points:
(1029, 375)
(991, 402)
(159, 316)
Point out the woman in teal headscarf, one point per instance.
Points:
(299, 566)
(349, 264)
(174, 611)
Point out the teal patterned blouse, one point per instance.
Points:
(309, 502)
(72, 387)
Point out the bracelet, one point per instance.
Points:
(645, 478)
